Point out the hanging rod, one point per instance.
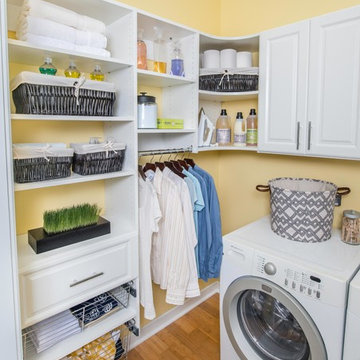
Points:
(165, 151)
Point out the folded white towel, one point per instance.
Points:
(43, 9)
(55, 43)
(52, 29)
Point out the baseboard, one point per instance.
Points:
(172, 315)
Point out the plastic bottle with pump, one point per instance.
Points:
(97, 74)
(240, 130)
(177, 61)
(159, 52)
(141, 51)
(72, 71)
(223, 129)
(47, 67)
(252, 129)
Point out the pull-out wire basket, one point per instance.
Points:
(49, 332)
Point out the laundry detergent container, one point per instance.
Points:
(302, 209)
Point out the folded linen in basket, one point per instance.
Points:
(50, 331)
(49, 42)
(52, 29)
(43, 9)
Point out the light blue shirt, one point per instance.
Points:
(204, 230)
(216, 247)
(198, 206)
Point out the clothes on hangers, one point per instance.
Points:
(149, 217)
(186, 243)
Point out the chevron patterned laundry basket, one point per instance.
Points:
(302, 209)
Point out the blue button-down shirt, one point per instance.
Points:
(216, 244)
(204, 230)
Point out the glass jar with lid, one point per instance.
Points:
(147, 111)
(350, 233)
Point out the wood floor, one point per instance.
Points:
(195, 336)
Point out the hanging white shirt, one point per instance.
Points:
(149, 216)
(192, 288)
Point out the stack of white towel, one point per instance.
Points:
(45, 24)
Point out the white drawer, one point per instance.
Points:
(54, 289)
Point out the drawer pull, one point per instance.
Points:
(86, 279)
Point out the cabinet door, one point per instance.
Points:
(334, 92)
(283, 88)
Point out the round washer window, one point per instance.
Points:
(270, 327)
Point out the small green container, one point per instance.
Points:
(170, 123)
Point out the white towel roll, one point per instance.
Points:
(52, 29)
(43, 9)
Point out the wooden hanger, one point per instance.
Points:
(190, 162)
(141, 172)
(171, 166)
(149, 166)
(177, 165)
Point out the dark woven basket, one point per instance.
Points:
(229, 83)
(40, 169)
(98, 162)
(61, 100)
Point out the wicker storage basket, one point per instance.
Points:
(56, 95)
(39, 162)
(302, 209)
(90, 159)
(232, 80)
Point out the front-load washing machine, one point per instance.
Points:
(282, 299)
(352, 328)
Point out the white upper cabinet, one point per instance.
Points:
(334, 88)
(310, 87)
(283, 88)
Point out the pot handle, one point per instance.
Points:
(263, 188)
(343, 191)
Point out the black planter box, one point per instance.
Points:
(41, 242)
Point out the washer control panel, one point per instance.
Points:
(289, 277)
(303, 282)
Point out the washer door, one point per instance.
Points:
(273, 322)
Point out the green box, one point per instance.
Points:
(170, 123)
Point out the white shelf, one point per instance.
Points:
(22, 52)
(165, 131)
(89, 334)
(73, 179)
(231, 96)
(217, 148)
(151, 78)
(29, 261)
(70, 118)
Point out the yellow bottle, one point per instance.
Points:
(72, 71)
(97, 74)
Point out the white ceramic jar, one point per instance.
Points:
(147, 111)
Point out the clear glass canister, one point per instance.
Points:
(147, 111)
(350, 233)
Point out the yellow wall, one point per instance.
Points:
(242, 17)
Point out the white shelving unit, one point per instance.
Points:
(176, 91)
(116, 254)
(212, 101)
(179, 99)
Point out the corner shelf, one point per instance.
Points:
(233, 148)
(22, 52)
(28, 117)
(230, 96)
(152, 78)
(73, 179)
(165, 131)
